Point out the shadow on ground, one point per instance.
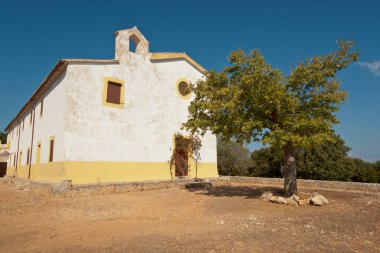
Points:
(236, 191)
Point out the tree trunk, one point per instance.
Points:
(290, 171)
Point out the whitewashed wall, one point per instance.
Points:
(51, 123)
(143, 130)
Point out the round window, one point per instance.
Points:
(184, 89)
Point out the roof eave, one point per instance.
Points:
(175, 56)
(57, 70)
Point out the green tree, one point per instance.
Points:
(363, 171)
(250, 101)
(377, 171)
(233, 158)
(326, 161)
(267, 162)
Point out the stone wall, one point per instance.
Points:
(66, 187)
(339, 185)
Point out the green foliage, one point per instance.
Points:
(267, 162)
(363, 171)
(193, 144)
(249, 100)
(377, 170)
(233, 158)
(326, 161)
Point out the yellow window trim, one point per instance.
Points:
(177, 88)
(105, 90)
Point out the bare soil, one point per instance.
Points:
(228, 217)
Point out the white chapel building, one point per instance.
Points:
(97, 121)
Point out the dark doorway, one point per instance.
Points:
(181, 157)
(3, 169)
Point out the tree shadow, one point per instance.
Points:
(237, 191)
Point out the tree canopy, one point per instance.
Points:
(249, 100)
(233, 158)
(326, 161)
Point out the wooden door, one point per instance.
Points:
(181, 159)
(3, 169)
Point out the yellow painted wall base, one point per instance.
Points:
(106, 172)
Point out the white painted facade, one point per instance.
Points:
(86, 130)
(144, 128)
(50, 124)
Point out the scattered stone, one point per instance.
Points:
(61, 188)
(295, 197)
(322, 198)
(303, 202)
(318, 200)
(315, 201)
(266, 195)
(221, 222)
(281, 200)
(302, 199)
(303, 195)
(291, 201)
(273, 199)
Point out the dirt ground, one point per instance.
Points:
(228, 217)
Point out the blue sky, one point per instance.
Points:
(36, 34)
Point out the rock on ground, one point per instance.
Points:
(318, 200)
(315, 199)
(61, 188)
(266, 196)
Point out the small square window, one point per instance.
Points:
(113, 92)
